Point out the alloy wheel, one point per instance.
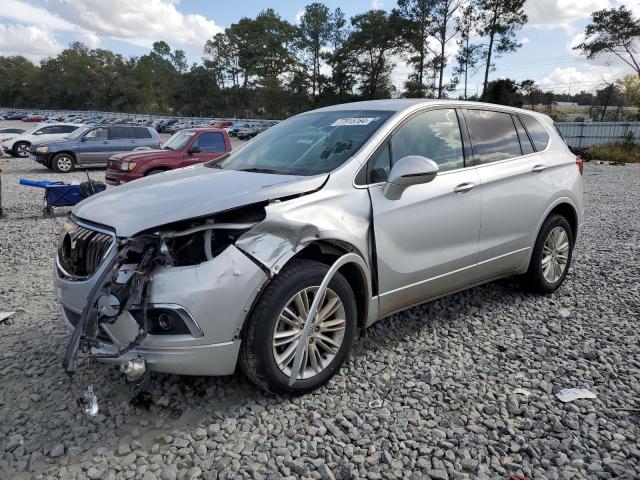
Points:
(326, 335)
(23, 150)
(555, 254)
(64, 164)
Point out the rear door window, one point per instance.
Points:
(525, 142)
(493, 136)
(537, 132)
(116, 133)
(210, 142)
(67, 128)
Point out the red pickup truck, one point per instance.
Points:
(184, 148)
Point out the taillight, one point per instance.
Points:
(580, 165)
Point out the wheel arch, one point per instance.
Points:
(357, 275)
(564, 206)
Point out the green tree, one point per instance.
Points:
(412, 19)
(442, 30)
(314, 34)
(612, 31)
(340, 59)
(498, 21)
(531, 90)
(503, 92)
(372, 41)
(468, 55)
(18, 82)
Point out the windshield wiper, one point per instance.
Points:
(262, 170)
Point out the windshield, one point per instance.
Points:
(77, 133)
(178, 140)
(308, 144)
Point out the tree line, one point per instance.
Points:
(268, 67)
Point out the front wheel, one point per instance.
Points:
(274, 330)
(551, 256)
(62, 163)
(21, 150)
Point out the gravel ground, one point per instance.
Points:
(428, 392)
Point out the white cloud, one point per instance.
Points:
(560, 13)
(23, 12)
(138, 22)
(377, 4)
(524, 40)
(32, 42)
(570, 78)
(299, 16)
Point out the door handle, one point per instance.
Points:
(538, 168)
(464, 187)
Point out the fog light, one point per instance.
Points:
(164, 321)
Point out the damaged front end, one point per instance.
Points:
(112, 294)
(153, 291)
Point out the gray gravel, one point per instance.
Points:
(426, 393)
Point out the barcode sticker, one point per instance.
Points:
(354, 122)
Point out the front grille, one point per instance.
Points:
(81, 250)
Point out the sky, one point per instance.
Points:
(37, 29)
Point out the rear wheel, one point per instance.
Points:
(551, 255)
(21, 150)
(274, 330)
(62, 163)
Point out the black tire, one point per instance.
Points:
(153, 172)
(534, 280)
(63, 163)
(21, 150)
(256, 355)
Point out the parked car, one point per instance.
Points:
(92, 146)
(19, 145)
(274, 257)
(15, 116)
(184, 148)
(33, 118)
(233, 129)
(245, 133)
(222, 124)
(166, 124)
(9, 132)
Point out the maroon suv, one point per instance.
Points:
(184, 148)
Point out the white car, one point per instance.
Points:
(19, 145)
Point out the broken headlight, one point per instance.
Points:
(196, 241)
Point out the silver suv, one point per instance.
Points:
(274, 257)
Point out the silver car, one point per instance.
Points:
(276, 256)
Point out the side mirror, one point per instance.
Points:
(193, 149)
(410, 170)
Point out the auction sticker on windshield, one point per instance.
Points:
(350, 122)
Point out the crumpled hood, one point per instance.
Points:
(190, 192)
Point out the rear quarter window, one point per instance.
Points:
(142, 133)
(537, 132)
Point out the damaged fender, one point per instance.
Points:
(327, 216)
